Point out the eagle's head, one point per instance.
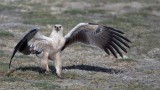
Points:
(58, 28)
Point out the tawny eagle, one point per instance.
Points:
(106, 38)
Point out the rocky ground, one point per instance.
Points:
(84, 67)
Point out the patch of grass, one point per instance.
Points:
(149, 1)
(27, 75)
(151, 8)
(43, 18)
(135, 19)
(1, 53)
(94, 11)
(41, 14)
(147, 71)
(3, 68)
(98, 80)
(7, 7)
(116, 1)
(50, 76)
(36, 14)
(71, 75)
(125, 60)
(84, 12)
(3, 65)
(150, 71)
(78, 87)
(6, 34)
(44, 21)
(2, 45)
(32, 75)
(142, 1)
(37, 17)
(128, 21)
(46, 86)
(132, 86)
(75, 11)
(145, 40)
(11, 79)
(23, 57)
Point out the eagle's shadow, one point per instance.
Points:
(79, 67)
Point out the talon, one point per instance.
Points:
(47, 72)
(59, 76)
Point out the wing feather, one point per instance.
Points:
(106, 50)
(115, 30)
(120, 40)
(106, 38)
(119, 35)
(116, 48)
(118, 44)
(32, 43)
(112, 50)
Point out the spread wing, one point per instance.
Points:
(32, 43)
(107, 38)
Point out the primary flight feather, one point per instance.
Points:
(106, 38)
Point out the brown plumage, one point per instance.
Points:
(106, 38)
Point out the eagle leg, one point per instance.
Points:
(58, 65)
(44, 62)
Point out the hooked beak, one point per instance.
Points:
(57, 29)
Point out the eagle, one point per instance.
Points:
(46, 48)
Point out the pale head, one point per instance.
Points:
(58, 27)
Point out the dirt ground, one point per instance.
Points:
(84, 67)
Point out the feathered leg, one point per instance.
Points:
(58, 64)
(44, 62)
